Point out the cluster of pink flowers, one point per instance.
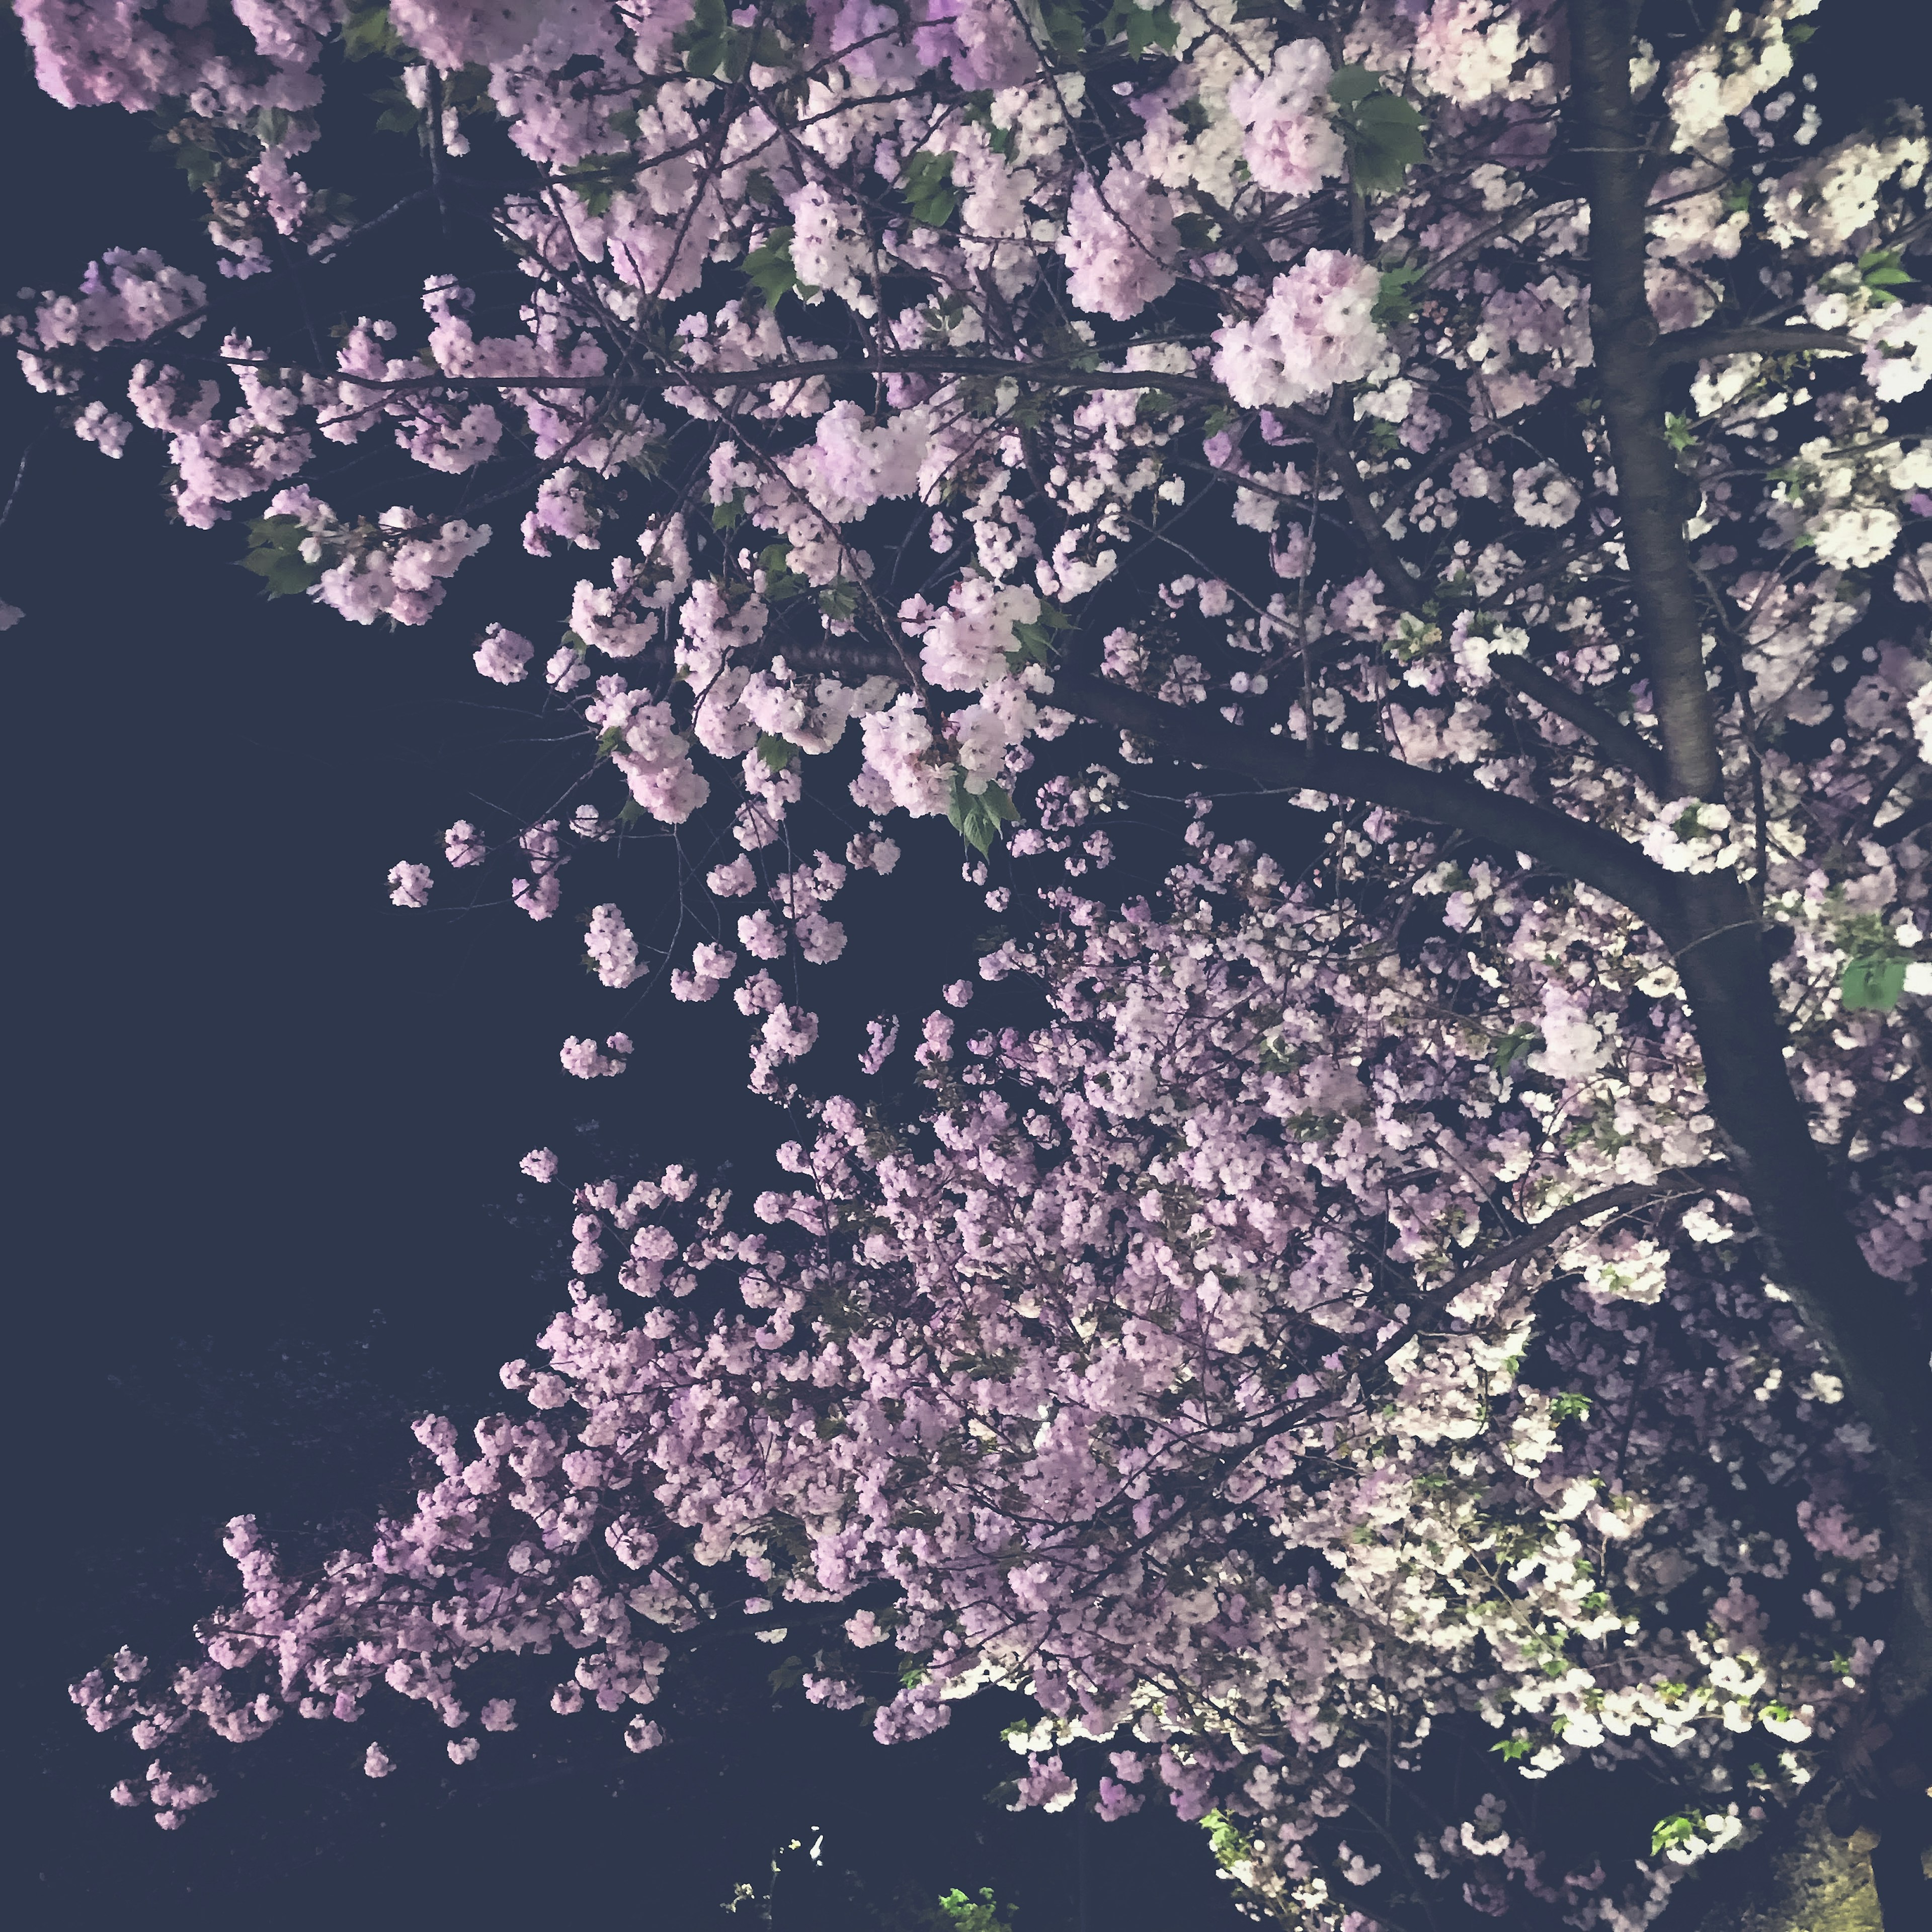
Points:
(1176, 1363)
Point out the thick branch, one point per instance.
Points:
(1582, 851)
(1604, 131)
(1699, 345)
(1810, 1250)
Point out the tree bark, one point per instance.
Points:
(1808, 1879)
(1605, 135)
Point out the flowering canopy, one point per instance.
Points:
(1466, 418)
(1255, 1363)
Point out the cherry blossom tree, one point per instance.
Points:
(1465, 1285)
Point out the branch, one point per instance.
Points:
(1618, 1200)
(940, 368)
(1583, 851)
(1914, 818)
(1810, 1249)
(1397, 578)
(1697, 345)
(1632, 1194)
(1604, 130)
(1620, 741)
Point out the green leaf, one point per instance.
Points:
(977, 816)
(1570, 1407)
(468, 91)
(1510, 1749)
(712, 46)
(1670, 1832)
(973, 1915)
(1224, 1840)
(1873, 984)
(838, 600)
(201, 165)
(926, 184)
(1350, 84)
(367, 32)
(1878, 269)
(979, 111)
(1033, 640)
(1384, 133)
(1514, 1045)
(771, 270)
(766, 50)
(274, 555)
(1197, 232)
(631, 813)
(1679, 432)
(400, 116)
(780, 581)
(1066, 30)
(1144, 27)
(1386, 142)
(730, 513)
(597, 179)
(1393, 301)
(706, 39)
(609, 741)
(271, 124)
(775, 751)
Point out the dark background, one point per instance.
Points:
(263, 1205)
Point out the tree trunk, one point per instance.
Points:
(1861, 1319)
(1806, 1878)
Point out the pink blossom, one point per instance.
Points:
(503, 656)
(1316, 331)
(1119, 243)
(410, 884)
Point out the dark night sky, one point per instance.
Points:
(260, 1122)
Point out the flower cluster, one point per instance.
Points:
(1175, 1363)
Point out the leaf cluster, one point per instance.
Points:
(927, 185)
(977, 816)
(1383, 132)
(275, 555)
(713, 48)
(1144, 27)
(770, 268)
